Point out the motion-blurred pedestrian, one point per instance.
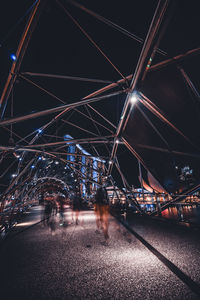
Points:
(61, 203)
(102, 211)
(76, 206)
(47, 210)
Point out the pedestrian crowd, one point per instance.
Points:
(55, 205)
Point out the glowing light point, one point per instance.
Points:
(110, 162)
(32, 167)
(13, 57)
(39, 131)
(117, 141)
(134, 98)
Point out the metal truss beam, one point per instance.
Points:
(189, 83)
(66, 107)
(157, 112)
(179, 198)
(194, 155)
(19, 176)
(23, 44)
(111, 24)
(65, 77)
(147, 50)
(72, 141)
(174, 60)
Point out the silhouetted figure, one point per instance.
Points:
(52, 220)
(76, 206)
(47, 211)
(54, 207)
(102, 211)
(61, 202)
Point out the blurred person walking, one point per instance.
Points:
(47, 210)
(61, 203)
(101, 208)
(76, 206)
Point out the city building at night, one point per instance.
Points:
(92, 168)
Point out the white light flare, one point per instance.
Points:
(134, 98)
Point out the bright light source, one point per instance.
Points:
(39, 158)
(110, 162)
(56, 162)
(117, 141)
(134, 98)
(13, 57)
(32, 167)
(14, 175)
(39, 131)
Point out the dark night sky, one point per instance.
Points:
(58, 47)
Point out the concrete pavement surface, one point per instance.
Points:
(72, 262)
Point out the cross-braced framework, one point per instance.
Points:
(44, 156)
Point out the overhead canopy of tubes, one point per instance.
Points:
(60, 129)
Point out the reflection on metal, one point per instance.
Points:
(23, 44)
(189, 82)
(57, 109)
(195, 155)
(147, 50)
(180, 197)
(90, 39)
(157, 112)
(112, 24)
(65, 77)
(175, 60)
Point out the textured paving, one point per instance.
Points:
(71, 262)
